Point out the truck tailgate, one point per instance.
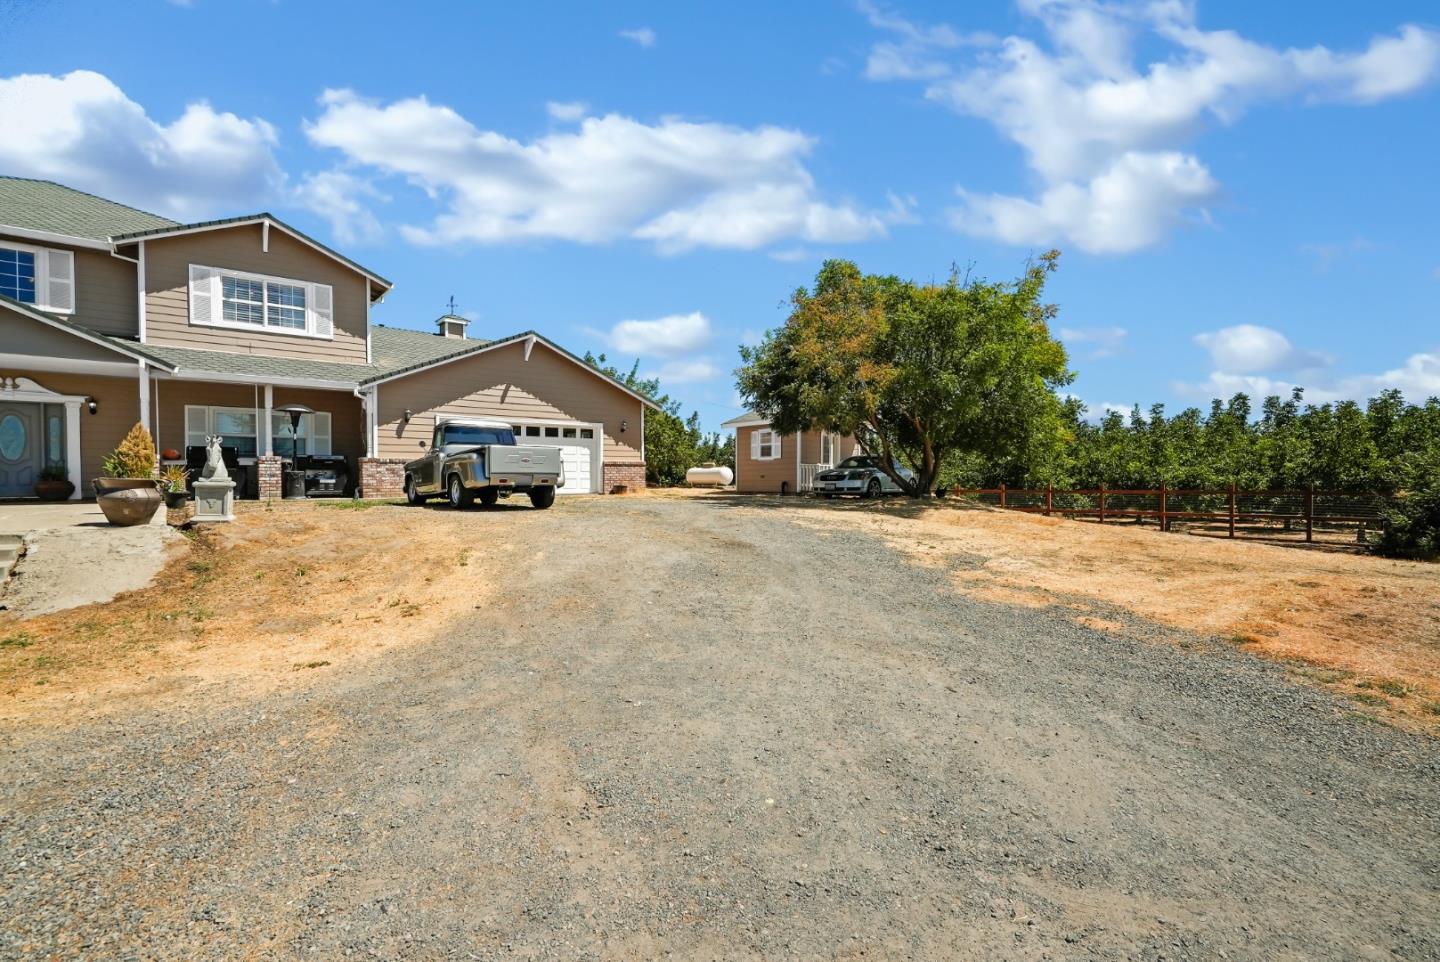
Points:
(511, 461)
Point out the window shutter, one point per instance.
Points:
(204, 301)
(755, 445)
(55, 280)
(322, 323)
(197, 424)
(320, 437)
(775, 451)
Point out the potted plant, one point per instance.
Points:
(54, 483)
(129, 494)
(174, 478)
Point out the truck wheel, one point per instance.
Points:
(412, 494)
(542, 498)
(459, 497)
(488, 496)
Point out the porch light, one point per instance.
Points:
(409, 414)
(623, 426)
(92, 405)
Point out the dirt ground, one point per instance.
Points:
(1364, 626)
(690, 728)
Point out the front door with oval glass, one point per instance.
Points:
(19, 449)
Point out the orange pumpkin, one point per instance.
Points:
(170, 454)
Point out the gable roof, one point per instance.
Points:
(172, 229)
(747, 419)
(119, 345)
(46, 207)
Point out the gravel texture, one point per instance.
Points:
(693, 729)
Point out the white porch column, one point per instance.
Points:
(267, 442)
(72, 447)
(145, 397)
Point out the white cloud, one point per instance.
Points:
(81, 130)
(337, 196)
(679, 184)
(664, 337)
(685, 372)
(1104, 136)
(1327, 254)
(1130, 205)
(1248, 348)
(567, 111)
(643, 36)
(1101, 342)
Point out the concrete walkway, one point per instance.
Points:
(73, 556)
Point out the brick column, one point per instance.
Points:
(268, 477)
(382, 478)
(624, 478)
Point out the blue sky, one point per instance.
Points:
(1245, 199)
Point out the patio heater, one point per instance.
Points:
(292, 483)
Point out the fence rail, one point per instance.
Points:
(1223, 506)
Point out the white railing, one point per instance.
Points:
(807, 475)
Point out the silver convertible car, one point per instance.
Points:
(861, 476)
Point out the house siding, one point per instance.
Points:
(105, 296)
(764, 476)
(117, 408)
(501, 384)
(29, 337)
(167, 294)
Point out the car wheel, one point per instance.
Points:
(872, 490)
(542, 498)
(459, 497)
(829, 497)
(488, 496)
(412, 494)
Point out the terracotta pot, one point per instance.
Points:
(54, 490)
(127, 501)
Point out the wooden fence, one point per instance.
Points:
(1224, 507)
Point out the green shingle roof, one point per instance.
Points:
(41, 205)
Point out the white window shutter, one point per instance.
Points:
(322, 323)
(55, 280)
(775, 451)
(755, 445)
(204, 301)
(320, 436)
(197, 424)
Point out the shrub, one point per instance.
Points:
(1413, 528)
(54, 471)
(134, 458)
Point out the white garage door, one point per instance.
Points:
(579, 446)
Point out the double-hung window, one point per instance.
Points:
(276, 305)
(764, 445)
(39, 276)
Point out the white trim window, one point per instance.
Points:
(258, 302)
(765, 445)
(38, 275)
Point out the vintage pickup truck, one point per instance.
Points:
(469, 458)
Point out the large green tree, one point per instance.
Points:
(925, 374)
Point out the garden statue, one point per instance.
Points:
(214, 463)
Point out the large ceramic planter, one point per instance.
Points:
(127, 501)
(54, 490)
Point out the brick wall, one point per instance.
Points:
(267, 476)
(382, 478)
(630, 477)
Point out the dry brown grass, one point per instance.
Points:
(1367, 627)
(284, 593)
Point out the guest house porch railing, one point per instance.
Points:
(808, 472)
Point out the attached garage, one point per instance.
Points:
(580, 448)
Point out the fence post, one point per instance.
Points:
(1049, 498)
(1232, 509)
(1309, 513)
(1002, 495)
(1102, 504)
(1164, 508)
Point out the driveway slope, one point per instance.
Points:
(696, 727)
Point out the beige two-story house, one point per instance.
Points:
(111, 316)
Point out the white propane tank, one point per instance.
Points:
(710, 474)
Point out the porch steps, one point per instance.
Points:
(12, 546)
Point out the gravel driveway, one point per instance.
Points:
(695, 729)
